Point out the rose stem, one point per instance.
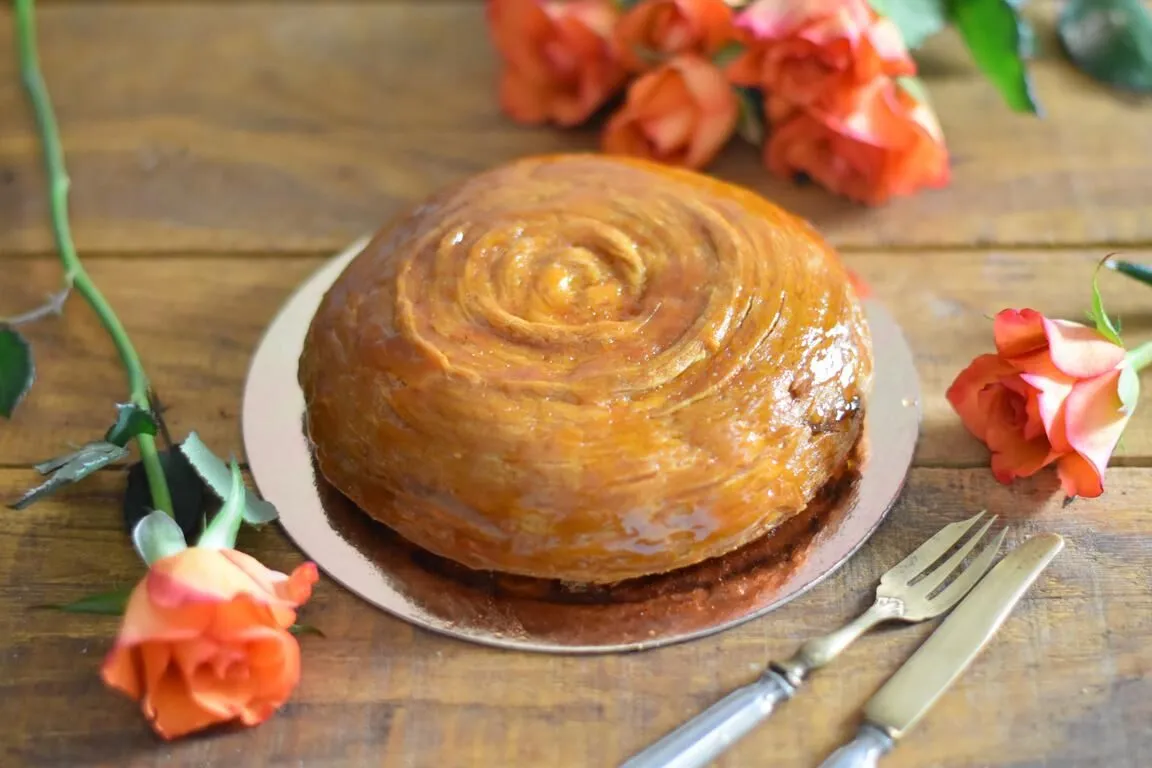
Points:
(74, 272)
(1140, 357)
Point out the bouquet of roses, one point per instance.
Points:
(826, 88)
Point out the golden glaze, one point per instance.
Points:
(587, 368)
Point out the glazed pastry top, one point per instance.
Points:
(587, 368)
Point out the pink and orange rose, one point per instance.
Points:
(659, 29)
(560, 64)
(886, 144)
(1049, 395)
(680, 114)
(815, 53)
(205, 640)
(830, 75)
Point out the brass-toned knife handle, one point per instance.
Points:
(705, 737)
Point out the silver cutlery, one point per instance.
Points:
(910, 592)
(916, 686)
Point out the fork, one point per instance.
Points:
(910, 592)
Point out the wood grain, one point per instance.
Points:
(310, 122)
(219, 151)
(196, 322)
(1067, 683)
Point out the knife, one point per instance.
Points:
(936, 664)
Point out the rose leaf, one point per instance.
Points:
(17, 371)
(750, 124)
(157, 536)
(305, 629)
(1109, 40)
(917, 20)
(131, 420)
(1104, 325)
(219, 479)
(727, 54)
(71, 468)
(185, 486)
(107, 603)
(999, 39)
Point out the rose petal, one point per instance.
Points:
(172, 711)
(1051, 394)
(123, 670)
(1019, 333)
(144, 620)
(209, 575)
(522, 100)
(1013, 455)
(294, 589)
(1078, 477)
(1080, 351)
(1094, 419)
(964, 393)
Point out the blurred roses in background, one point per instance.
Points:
(826, 88)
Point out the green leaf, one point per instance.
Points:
(17, 371)
(184, 484)
(728, 54)
(999, 40)
(108, 603)
(1109, 40)
(751, 121)
(1131, 269)
(131, 420)
(215, 473)
(157, 536)
(71, 469)
(917, 20)
(221, 532)
(1097, 315)
(305, 629)
(1129, 386)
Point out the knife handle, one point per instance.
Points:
(705, 737)
(871, 743)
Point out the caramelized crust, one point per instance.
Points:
(587, 368)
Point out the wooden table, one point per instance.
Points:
(220, 151)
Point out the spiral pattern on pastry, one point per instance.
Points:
(587, 368)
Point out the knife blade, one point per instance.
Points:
(905, 698)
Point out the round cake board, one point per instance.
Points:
(413, 585)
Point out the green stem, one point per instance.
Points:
(74, 272)
(1135, 271)
(1140, 357)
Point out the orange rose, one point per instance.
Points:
(1049, 394)
(680, 114)
(667, 28)
(886, 144)
(812, 52)
(560, 63)
(204, 640)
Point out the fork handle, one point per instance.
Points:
(705, 737)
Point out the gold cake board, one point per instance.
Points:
(523, 614)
